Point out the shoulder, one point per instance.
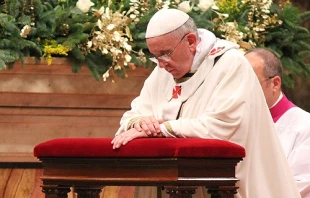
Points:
(299, 113)
(230, 56)
(221, 47)
(299, 119)
(227, 51)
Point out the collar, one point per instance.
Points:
(280, 97)
(185, 77)
(207, 40)
(281, 106)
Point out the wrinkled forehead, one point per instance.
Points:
(163, 42)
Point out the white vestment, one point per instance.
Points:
(223, 101)
(293, 128)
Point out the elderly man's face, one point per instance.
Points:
(177, 53)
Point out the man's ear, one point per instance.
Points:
(277, 83)
(192, 41)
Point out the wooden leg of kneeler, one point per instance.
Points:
(180, 191)
(54, 191)
(88, 192)
(222, 191)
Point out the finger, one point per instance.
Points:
(128, 139)
(153, 119)
(149, 121)
(118, 144)
(137, 126)
(151, 127)
(115, 144)
(118, 141)
(156, 127)
(145, 128)
(114, 139)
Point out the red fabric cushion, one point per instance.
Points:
(144, 147)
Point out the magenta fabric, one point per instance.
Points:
(280, 108)
(144, 147)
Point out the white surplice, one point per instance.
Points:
(223, 101)
(293, 128)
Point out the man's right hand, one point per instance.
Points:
(149, 125)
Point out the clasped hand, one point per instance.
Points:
(145, 127)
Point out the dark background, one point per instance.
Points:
(300, 94)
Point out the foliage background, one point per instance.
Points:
(53, 28)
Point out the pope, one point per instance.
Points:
(204, 87)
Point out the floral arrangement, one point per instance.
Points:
(108, 36)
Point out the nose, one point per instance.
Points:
(162, 64)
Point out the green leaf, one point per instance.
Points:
(11, 29)
(76, 66)
(24, 20)
(2, 65)
(303, 45)
(304, 16)
(303, 54)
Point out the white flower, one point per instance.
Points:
(25, 31)
(100, 24)
(133, 16)
(185, 6)
(225, 15)
(116, 36)
(110, 26)
(104, 51)
(99, 12)
(107, 13)
(84, 5)
(205, 4)
(115, 51)
(117, 67)
(166, 4)
(99, 36)
(106, 75)
(89, 44)
(214, 7)
(128, 58)
(127, 46)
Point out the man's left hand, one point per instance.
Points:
(125, 137)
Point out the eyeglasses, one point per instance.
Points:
(166, 57)
(268, 78)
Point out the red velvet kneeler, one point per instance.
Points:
(179, 164)
(144, 147)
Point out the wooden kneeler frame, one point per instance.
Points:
(180, 165)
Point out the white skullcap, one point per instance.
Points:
(165, 21)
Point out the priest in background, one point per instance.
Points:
(291, 122)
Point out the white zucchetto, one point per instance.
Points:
(165, 21)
